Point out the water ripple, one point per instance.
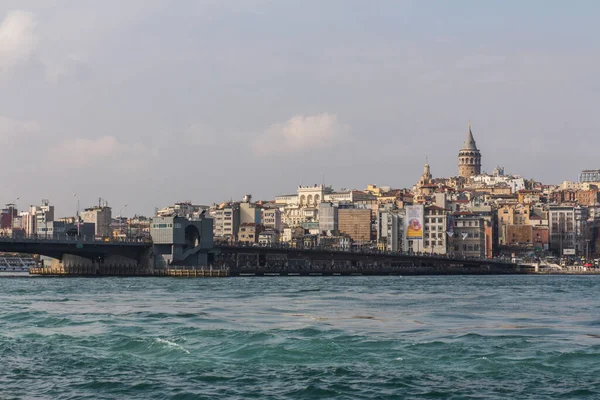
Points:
(456, 337)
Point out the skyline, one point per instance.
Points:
(156, 104)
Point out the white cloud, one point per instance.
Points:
(106, 150)
(302, 133)
(18, 40)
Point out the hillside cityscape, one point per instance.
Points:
(473, 214)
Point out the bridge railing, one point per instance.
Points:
(62, 238)
(315, 249)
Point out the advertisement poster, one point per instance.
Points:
(414, 222)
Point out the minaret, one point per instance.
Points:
(426, 177)
(469, 157)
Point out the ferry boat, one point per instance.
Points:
(16, 264)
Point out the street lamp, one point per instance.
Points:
(77, 215)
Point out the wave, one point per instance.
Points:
(172, 344)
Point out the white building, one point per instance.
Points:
(390, 229)
(286, 199)
(349, 196)
(435, 236)
(311, 196)
(226, 220)
(271, 219)
(515, 183)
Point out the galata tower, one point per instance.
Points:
(469, 157)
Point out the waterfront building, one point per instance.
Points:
(249, 212)
(248, 232)
(469, 157)
(349, 196)
(101, 217)
(7, 216)
(27, 222)
(469, 235)
(435, 228)
(182, 209)
(271, 219)
(180, 241)
(311, 196)
(60, 229)
(286, 199)
(292, 234)
(328, 217)
(44, 214)
(336, 242)
(295, 215)
(390, 229)
(268, 237)
(226, 219)
(562, 229)
(355, 223)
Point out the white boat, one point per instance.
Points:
(16, 264)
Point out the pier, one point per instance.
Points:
(83, 271)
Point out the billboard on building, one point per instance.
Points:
(413, 223)
(568, 252)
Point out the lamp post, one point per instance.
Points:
(77, 214)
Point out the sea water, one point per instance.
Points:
(446, 337)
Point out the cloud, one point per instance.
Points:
(302, 133)
(18, 41)
(106, 150)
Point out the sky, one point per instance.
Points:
(148, 102)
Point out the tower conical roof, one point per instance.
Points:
(470, 142)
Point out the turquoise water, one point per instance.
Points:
(457, 337)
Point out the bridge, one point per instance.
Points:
(127, 257)
(279, 260)
(64, 247)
